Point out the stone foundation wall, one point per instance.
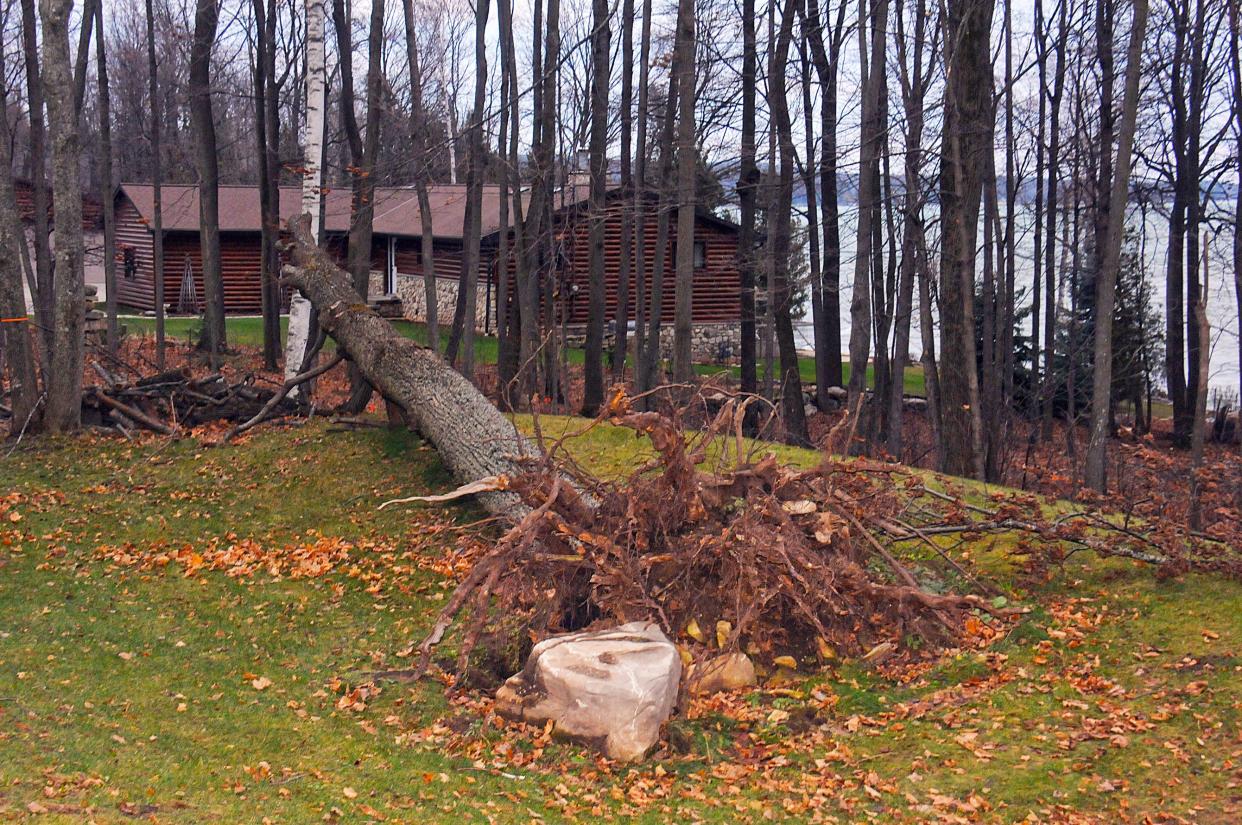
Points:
(413, 294)
(710, 343)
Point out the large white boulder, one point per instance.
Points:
(610, 689)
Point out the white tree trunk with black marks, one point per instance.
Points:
(300, 309)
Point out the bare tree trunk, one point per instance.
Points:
(157, 195)
(64, 372)
(206, 161)
(873, 77)
(1199, 433)
(648, 372)
(17, 344)
(818, 327)
(106, 182)
(422, 171)
(526, 289)
(1106, 280)
(362, 151)
(1235, 59)
(967, 136)
(791, 382)
(593, 371)
(467, 293)
(1048, 387)
(828, 362)
(620, 346)
(683, 365)
(641, 200)
(914, 82)
(44, 275)
(267, 137)
(508, 327)
(747, 186)
(301, 313)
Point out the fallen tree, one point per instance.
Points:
(472, 436)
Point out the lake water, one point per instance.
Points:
(1222, 302)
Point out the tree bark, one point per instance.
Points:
(473, 438)
(467, 294)
(593, 371)
(967, 136)
(873, 74)
(17, 344)
(301, 313)
(914, 81)
(620, 346)
(157, 195)
(422, 173)
(826, 59)
(683, 303)
(44, 276)
(793, 412)
(64, 373)
(362, 150)
(206, 161)
(1106, 281)
(747, 190)
(106, 181)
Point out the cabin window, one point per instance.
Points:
(130, 262)
(700, 254)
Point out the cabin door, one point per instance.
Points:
(390, 271)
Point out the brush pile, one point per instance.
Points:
(175, 400)
(777, 561)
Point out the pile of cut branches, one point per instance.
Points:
(174, 400)
(778, 561)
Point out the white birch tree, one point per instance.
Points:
(300, 310)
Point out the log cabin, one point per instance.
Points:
(397, 279)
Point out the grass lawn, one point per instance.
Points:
(248, 331)
(184, 695)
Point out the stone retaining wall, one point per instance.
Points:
(413, 294)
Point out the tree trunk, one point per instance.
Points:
(106, 182)
(362, 150)
(422, 173)
(593, 371)
(1199, 431)
(44, 276)
(873, 77)
(648, 371)
(683, 304)
(17, 343)
(157, 196)
(1048, 386)
(474, 439)
(1106, 281)
(1235, 59)
(620, 346)
(641, 200)
(967, 136)
(267, 138)
(301, 313)
(64, 372)
(206, 161)
(467, 294)
(913, 90)
(747, 186)
(791, 382)
(818, 326)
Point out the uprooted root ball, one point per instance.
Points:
(758, 556)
